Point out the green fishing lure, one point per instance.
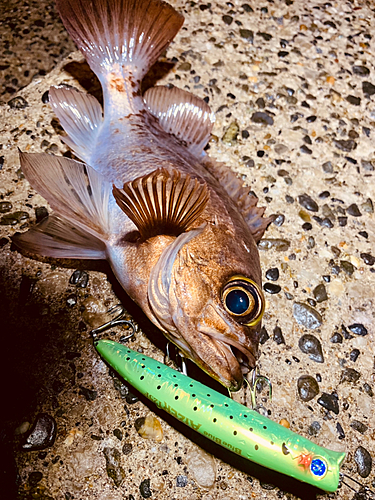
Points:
(225, 421)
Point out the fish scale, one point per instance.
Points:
(224, 421)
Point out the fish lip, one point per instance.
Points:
(229, 344)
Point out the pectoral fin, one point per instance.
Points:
(162, 202)
(183, 114)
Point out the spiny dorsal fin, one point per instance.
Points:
(128, 34)
(183, 114)
(246, 202)
(162, 202)
(80, 115)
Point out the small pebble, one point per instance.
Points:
(42, 434)
(227, 20)
(349, 375)
(307, 316)
(278, 244)
(368, 390)
(202, 467)
(145, 489)
(353, 356)
(118, 433)
(279, 220)
(79, 278)
(353, 210)
(40, 213)
(271, 288)
(358, 329)
(358, 426)
(34, 478)
(127, 448)
(278, 336)
(181, 481)
(336, 338)
(364, 461)
(368, 89)
(149, 427)
(347, 267)
(5, 206)
(327, 167)
(320, 293)
(88, 394)
(329, 402)
(360, 70)
(340, 431)
(18, 103)
(272, 274)
(247, 35)
(131, 398)
(263, 335)
(262, 118)
(308, 388)
(314, 429)
(113, 465)
(231, 133)
(345, 145)
(307, 202)
(285, 423)
(310, 345)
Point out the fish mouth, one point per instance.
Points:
(240, 359)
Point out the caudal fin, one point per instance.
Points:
(122, 35)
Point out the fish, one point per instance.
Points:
(224, 421)
(178, 228)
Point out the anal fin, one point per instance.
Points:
(162, 202)
(58, 238)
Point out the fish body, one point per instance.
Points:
(178, 229)
(224, 421)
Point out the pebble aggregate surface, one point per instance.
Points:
(293, 87)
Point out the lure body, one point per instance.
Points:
(225, 421)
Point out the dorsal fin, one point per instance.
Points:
(125, 36)
(246, 201)
(183, 114)
(80, 115)
(162, 202)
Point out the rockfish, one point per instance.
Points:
(178, 228)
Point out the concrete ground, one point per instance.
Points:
(292, 85)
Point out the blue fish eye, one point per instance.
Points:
(237, 301)
(243, 300)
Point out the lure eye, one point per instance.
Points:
(243, 299)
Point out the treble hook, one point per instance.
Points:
(255, 378)
(168, 359)
(118, 320)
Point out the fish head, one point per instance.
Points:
(205, 295)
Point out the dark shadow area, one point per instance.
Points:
(88, 80)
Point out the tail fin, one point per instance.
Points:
(128, 35)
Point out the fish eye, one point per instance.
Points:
(243, 299)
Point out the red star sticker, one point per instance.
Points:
(305, 460)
